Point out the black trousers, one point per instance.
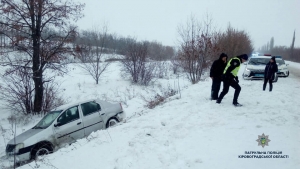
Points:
(215, 88)
(233, 84)
(270, 84)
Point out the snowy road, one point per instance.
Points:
(295, 72)
(294, 69)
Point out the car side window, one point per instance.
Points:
(90, 107)
(69, 115)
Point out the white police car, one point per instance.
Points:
(283, 70)
(255, 68)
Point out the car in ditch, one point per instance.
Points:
(255, 68)
(64, 125)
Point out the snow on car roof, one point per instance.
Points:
(63, 107)
(261, 57)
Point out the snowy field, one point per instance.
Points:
(187, 131)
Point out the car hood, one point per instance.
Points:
(24, 136)
(257, 67)
(282, 67)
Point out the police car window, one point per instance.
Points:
(280, 62)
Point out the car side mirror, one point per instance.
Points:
(57, 124)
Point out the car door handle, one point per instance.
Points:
(78, 123)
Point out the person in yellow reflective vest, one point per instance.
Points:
(230, 78)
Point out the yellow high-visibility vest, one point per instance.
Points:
(234, 71)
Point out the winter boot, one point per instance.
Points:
(237, 104)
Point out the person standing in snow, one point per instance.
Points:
(230, 78)
(270, 70)
(216, 72)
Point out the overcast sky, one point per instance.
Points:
(158, 19)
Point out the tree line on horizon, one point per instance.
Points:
(291, 52)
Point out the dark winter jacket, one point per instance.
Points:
(270, 70)
(217, 68)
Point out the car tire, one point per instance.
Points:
(41, 150)
(276, 79)
(288, 73)
(111, 122)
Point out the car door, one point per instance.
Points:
(92, 118)
(68, 126)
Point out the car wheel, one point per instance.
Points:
(288, 73)
(111, 122)
(276, 79)
(39, 151)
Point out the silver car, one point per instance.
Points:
(64, 124)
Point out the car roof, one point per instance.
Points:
(65, 106)
(262, 57)
(266, 57)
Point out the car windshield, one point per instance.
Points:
(258, 61)
(47, 120)
(280, 62)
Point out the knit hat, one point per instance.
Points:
(223, 55)
(273, 58)
(243, 56)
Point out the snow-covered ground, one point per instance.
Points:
(294, 68)
(187, 131)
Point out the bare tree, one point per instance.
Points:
(17, 89)
(175, 64)
(271, 44)
(196, 47)
(25, 24)
(156, 51)
(135, 62)
(292, 47)
(92, 54)
(233, 42)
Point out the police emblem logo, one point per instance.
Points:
(263, 140)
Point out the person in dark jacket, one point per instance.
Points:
(270, 70)
(230, 78)
(216, 72)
